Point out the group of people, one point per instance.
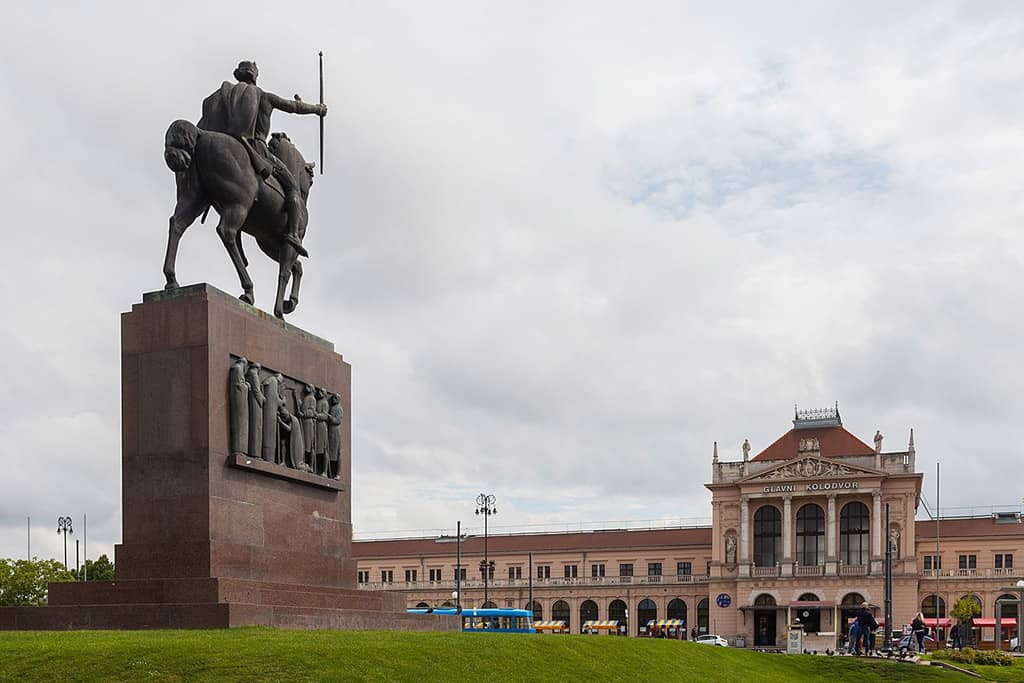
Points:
(862, 632)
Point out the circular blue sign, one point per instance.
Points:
(723, 600)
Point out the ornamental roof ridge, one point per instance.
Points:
(809, 467)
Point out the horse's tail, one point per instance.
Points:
(180, 144)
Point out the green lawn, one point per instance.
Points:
(264, 654)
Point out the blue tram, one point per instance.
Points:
(487, 620)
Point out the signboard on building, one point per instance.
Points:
(723, 600)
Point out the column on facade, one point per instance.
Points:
(744, 530)
(787, 529)
(830, 529)
(876, 525)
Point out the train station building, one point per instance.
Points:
(798, 535)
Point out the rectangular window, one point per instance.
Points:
(435, 575)
(654, 569)
(626, 569)
(364, 576)
(968, 562)
(387, 576)
(461, 573)
(1004, 561)
(597, 570)
(999, 561)
(410, 576)
(543, 571)
(932, 562)
(515, 573)
(571, 571)
(684, 568)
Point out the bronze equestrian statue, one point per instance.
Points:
(256, 187)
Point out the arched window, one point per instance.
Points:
(1007, 610)
(617, 612)
(810, 535)
(767, 536)
(447, 603)
(808, 597)
(560, 612)
(588, 611)
(928, 607)
(764, 600)
(676, 610)
(702, 616)
(421, 605)
(854, 533)
(645, 612)
(489, 605)
(853, 600)
(538, 611)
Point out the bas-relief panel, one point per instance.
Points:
(284, 420)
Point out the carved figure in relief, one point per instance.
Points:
(256, 400)
(730, 549)
(335, 414)
(894, 538)
(272, 402)
(238, 406)
(307, 411)
(295, 448)
(320, 447)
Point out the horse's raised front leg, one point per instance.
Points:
(186, 211)
(230, 223)
(293, 299)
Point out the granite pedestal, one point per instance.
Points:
(213, 538)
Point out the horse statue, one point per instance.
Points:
(215, 169)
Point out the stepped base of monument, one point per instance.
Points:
(217, 603)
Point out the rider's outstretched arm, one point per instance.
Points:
(295, 106)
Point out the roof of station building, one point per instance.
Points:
(967, 527)
(542, 542)
(824, 425)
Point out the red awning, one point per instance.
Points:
(990, 622)
(943, 623)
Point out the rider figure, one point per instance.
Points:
(243, 111)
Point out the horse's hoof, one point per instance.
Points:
(247, 298)
(278, 314)
(289, 306)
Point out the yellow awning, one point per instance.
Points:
(549, 625)
(671, 623)
(601, 624)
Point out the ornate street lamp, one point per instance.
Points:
(64, 526)
(485, 506)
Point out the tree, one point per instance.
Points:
(963, 611)
(100, 570)
(25, 582)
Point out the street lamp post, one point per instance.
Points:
(64, 526)
(485, 506)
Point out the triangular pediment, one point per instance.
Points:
(809, 467)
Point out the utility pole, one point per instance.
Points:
(938, 553)
(887, 642)
(458, 567)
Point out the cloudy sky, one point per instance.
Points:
(565, 247)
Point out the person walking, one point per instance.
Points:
(854, 644)
(919, 630)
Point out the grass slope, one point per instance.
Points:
(263, 654)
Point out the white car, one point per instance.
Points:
(711, 639)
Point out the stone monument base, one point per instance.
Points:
(217, 603)
(213, 535)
